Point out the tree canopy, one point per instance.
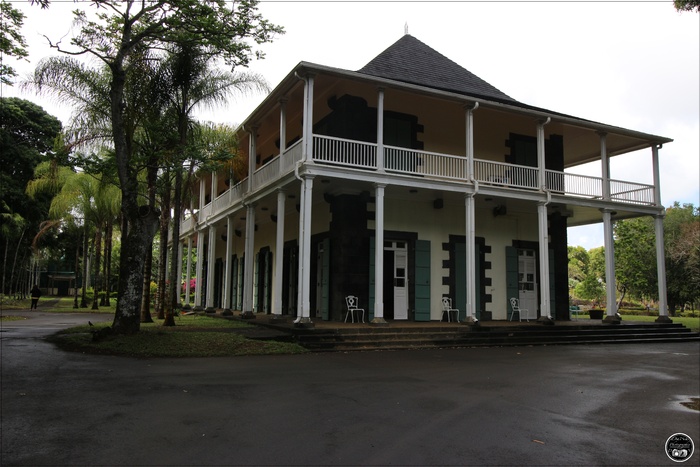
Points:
(12, 42)
(119, 34)
(635, 260)
(687, 5)
(27, 135)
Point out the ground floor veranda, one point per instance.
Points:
(283, 230)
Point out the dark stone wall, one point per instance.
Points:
(558, 243)
(349, 245)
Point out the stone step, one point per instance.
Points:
(440, 337)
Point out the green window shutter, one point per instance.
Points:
(552, 283)
(477, 281)
(459, 300)
(256, 281)
(268, 277)
(511, 277)
(370, 305)
(241, 281)
(422, 294)
(234, 283)
(325, 278)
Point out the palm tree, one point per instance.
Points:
(93, 199)
(88, 90)
(189, 80)
(12, 225)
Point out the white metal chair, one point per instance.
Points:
(352, 303)
(515, 305)
(447, 308)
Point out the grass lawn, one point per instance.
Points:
(56, 305)
(192, 336)
(691, 323)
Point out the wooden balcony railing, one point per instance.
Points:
(424, 163)
(338, 151)
(362, 155)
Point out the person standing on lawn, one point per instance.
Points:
(36, 293)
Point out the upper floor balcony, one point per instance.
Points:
(406, 166)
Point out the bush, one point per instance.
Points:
(638, 311)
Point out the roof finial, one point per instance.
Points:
(405, 29)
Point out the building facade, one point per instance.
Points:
(401, 183)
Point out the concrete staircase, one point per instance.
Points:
(450, 336)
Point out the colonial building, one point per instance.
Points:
(404, 182)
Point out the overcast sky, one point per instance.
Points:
(629, 64)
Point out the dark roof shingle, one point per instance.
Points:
(411, 61)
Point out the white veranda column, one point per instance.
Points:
(308, 121)
(283, 125)
(304, 306)
(605, 165)
(198, 305)
(660, 250)
(543, 231)
(252, 151)
(543, 228)
(189, 273)
(661, 270)
(609, 242)
(541, 164)
(470, 259)
(470, 226)
(209, 306)
(249, 263)
(180, 249)
(227, 267)
(380, 129)
(379, 255)
(279, 256)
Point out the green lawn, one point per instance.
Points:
(56, 305)
(692, 323)
(192, 336)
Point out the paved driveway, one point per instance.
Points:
(565, 405)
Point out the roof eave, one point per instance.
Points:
(305, 68)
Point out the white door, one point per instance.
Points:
(400, 283)
(527, 282)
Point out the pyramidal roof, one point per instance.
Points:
(411, 61)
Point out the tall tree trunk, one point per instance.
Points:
(151, 179)
(142, 221)
(175, 257)
(4, 267)
(83, 299)
(163, 263)
(98, 256)
(103, 283)
(146, 299)
(19, 290)
(77, 273)
(141, 230)
(14, 263)
(108, 263)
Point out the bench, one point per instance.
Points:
(574, 311)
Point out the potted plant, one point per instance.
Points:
(596, 313)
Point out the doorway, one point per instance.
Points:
(396, 280)
(527, 280)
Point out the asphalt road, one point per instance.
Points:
(563, 405)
